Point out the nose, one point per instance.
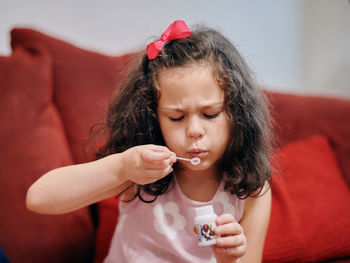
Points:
(195, 128)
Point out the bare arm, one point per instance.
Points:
(255, 223)
(69, 188)
(244, 241)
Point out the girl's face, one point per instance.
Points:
(192, 115)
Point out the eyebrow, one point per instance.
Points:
(207, 106)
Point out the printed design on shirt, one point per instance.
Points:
(224, 205)
(161, 225)
(120, 224)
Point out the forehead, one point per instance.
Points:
(193, 84)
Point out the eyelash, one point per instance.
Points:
(177, 119)
(208, 116)
(211, 116)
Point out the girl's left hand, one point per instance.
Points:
(232, 243)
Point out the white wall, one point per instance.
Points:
(271, 34)
(327, 47)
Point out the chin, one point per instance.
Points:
(203, 166)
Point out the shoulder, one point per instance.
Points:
(256, 215)
(255, 222)
(225, 202)
(259, 201)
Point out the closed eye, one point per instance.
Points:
(176, 119)
(211, 116)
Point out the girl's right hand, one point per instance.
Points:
(146, 164)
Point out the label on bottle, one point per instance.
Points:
(205, 233)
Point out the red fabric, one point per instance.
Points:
(83, 84)
(108, 218)
(300, 116)
(310, 205)
(32, 142)
(176, 30)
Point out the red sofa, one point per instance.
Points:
(52, 92)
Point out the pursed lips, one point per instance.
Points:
(197, 153)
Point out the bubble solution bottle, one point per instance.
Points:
(205, 225)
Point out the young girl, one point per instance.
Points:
(191, 95)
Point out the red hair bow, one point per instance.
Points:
(176, 30)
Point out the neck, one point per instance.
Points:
(199, 185)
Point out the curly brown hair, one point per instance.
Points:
(132, 118)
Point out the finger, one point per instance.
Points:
(154, 175)
(151, 156)
(236, 252)
(159, 148)
(166, 171)
(224, 219)
(173, 159)
(229, 229)
(231, 241)
(160, 164)
(157, 165)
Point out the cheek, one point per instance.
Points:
(173, 140)
(223, 134)
(172, 137)
(223, 140)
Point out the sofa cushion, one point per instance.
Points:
(32, 142)
(108, 218)
(310, 205)
(83, 84)
(300, 116)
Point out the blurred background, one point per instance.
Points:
(292, 46)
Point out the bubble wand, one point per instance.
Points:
(194, 161)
